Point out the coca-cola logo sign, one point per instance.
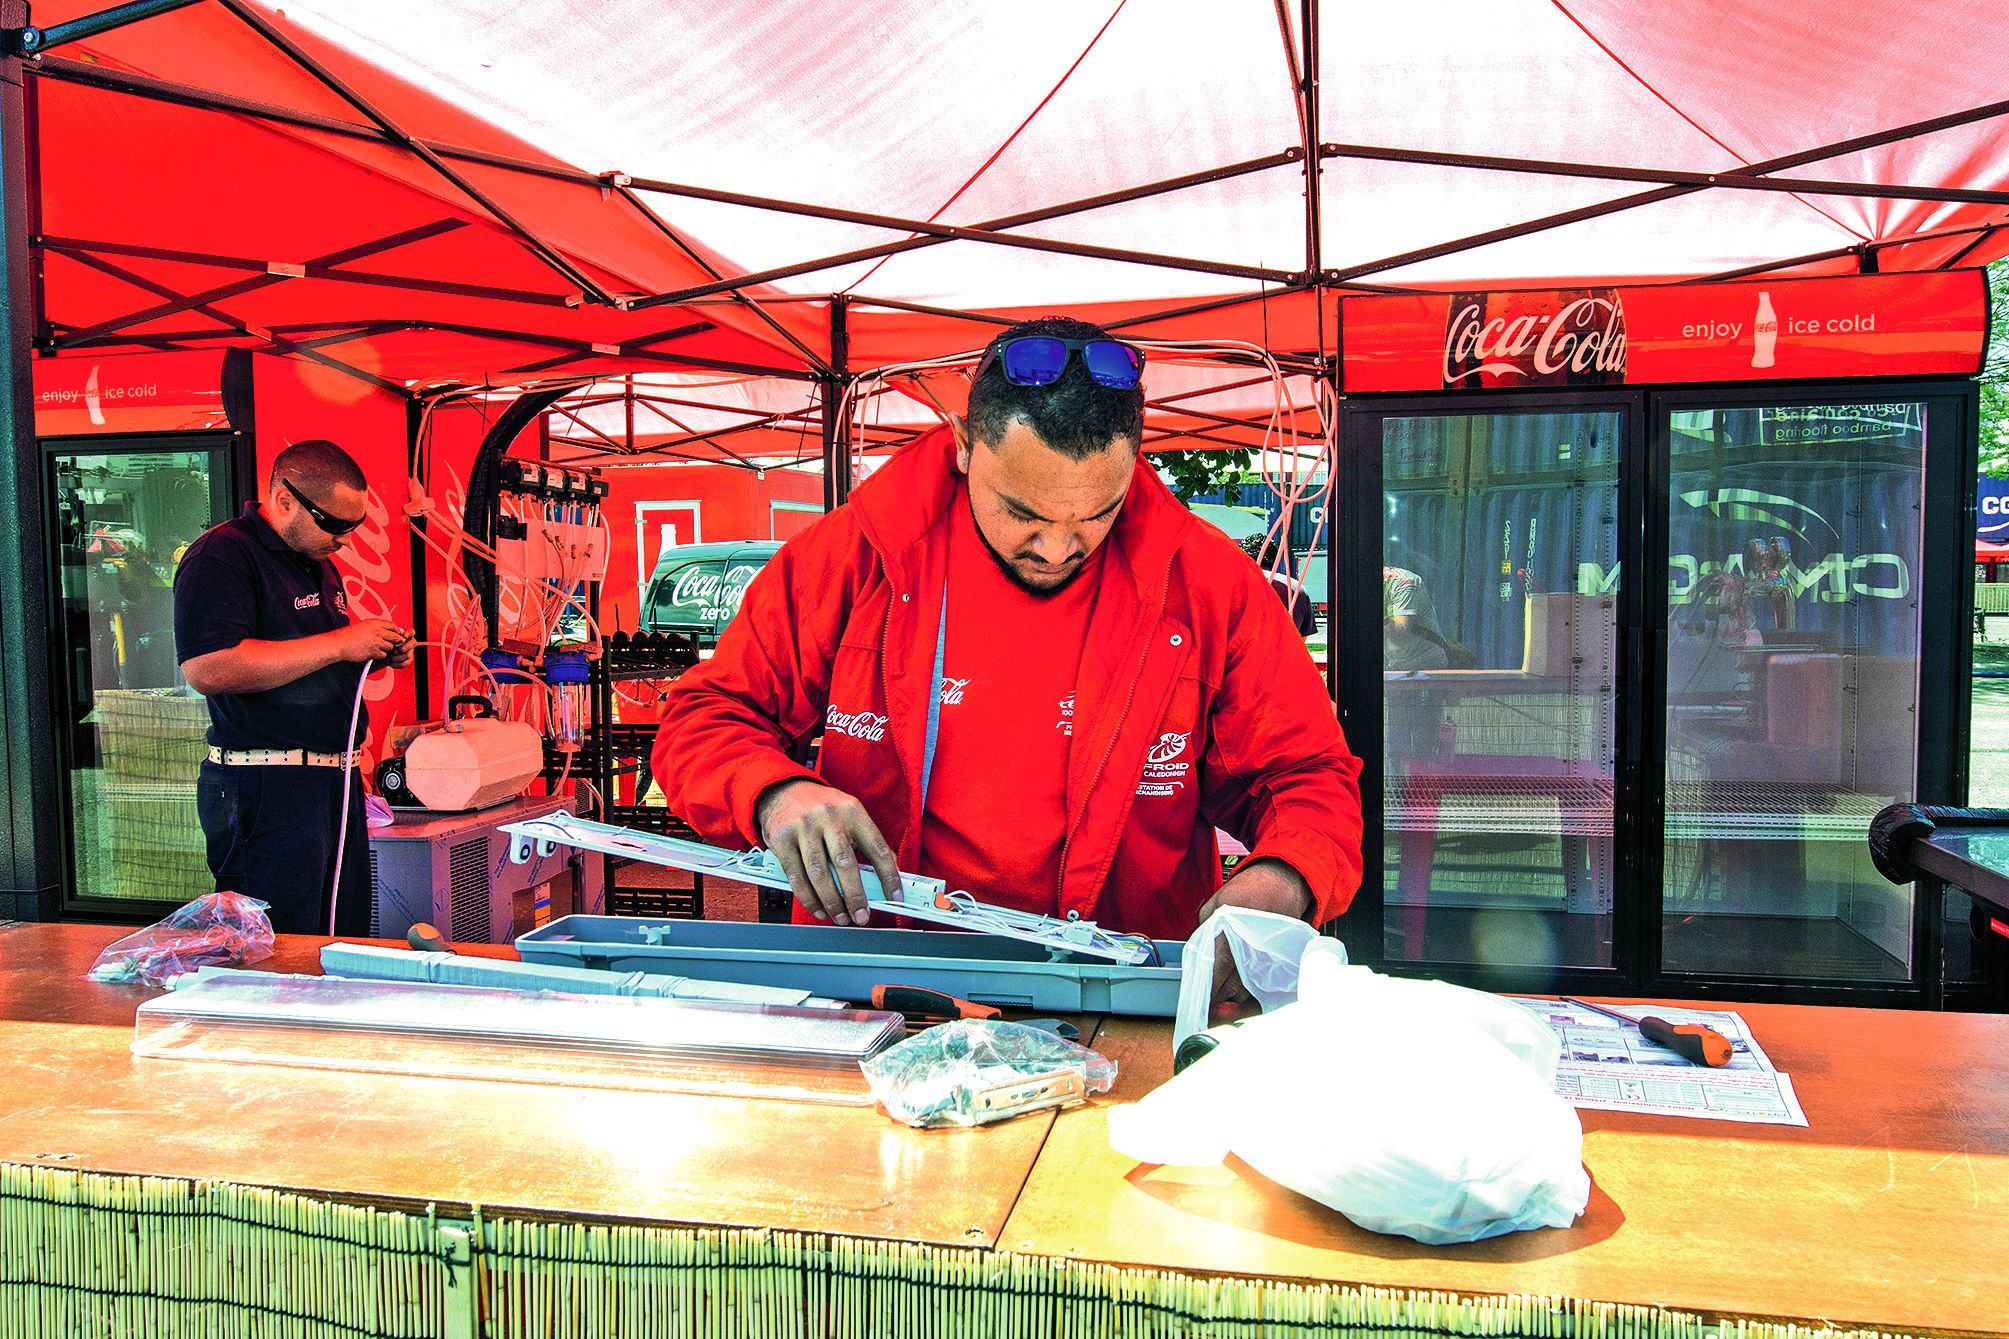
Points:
(1571, 338)
(711, 592)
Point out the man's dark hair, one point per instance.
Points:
(1076, 416)
(316, 465)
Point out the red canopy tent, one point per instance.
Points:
(752, 205)
(419, 192)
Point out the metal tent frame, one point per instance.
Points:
(27, 57)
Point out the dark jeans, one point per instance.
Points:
(271, 835)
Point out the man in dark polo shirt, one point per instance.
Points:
(262, 629)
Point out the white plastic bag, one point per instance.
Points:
(1412, 1107)
(1268, 951)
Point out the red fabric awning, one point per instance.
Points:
(1474, 144)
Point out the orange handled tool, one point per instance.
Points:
(1700, 1044)
(920, 1002)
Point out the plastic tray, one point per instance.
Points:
(846, 962)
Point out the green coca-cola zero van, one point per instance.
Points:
(696, 588)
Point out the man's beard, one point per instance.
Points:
(1011, 573)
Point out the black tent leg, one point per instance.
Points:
(30, 850)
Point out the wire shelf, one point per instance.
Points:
(1583, 807)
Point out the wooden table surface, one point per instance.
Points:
(1889, 1210)
(73, 1095)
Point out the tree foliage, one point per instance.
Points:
(1995, 376)
(1192, 474)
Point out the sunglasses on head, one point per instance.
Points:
(334, 525)
(1038, 360)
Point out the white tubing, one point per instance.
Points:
(348, 768)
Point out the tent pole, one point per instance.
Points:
(806, 415)
(938, 232)
(581, 348)
(1979, 230)
(263, 280)
(313, 269)
(416, 410)
(1877, 139)
(1962, 253)
(1259, 423)
(45, 335)
(921, 309)
(30, 850)
(185, 95)
(292, 50)
(278, 342)
(32, 41)
(1188, 433)
(674, 238)
(836, 440)
(1314, 162)
(612, 445)
(1216, 304)
(1742, 179)
(990, 230)
(626, 349)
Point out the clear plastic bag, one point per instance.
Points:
(215, 930)
(973, 1072)
(1412, 1107)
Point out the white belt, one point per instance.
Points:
(283, 758)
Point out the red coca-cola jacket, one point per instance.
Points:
(1188, 645)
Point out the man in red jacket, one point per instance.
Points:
(1035, 675)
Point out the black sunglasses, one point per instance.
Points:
(335, 526)
(1039, 360)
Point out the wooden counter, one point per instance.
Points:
(72, 1094)
(1887, 1212)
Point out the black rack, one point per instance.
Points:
(615, 751)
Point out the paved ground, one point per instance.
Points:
(1988, 739)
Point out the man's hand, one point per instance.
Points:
(818, 833)
(1265, 885)
(372, 639)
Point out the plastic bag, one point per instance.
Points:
(216, 929)
(973, 1072)
(1412, 1107)
(1269, 954)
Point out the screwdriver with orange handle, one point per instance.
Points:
(1701, 1044)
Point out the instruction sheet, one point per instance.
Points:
(1607, 1066)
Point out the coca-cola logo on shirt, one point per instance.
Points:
(856, 724)
(1571, 338)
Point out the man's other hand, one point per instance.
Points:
(373, 639)
(818, 833)
(1264, 885)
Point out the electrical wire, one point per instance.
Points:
(349, 752)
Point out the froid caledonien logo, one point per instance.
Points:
(1162, 772)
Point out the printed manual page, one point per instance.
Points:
(1607, 1066)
